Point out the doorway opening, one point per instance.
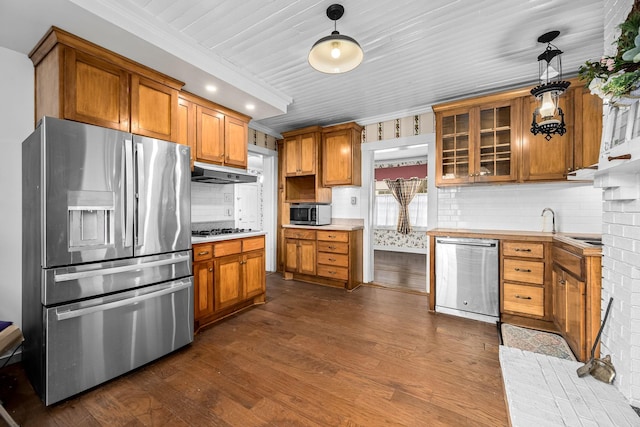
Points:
(399, 259)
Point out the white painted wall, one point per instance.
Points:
(341, 206)
(16, 111)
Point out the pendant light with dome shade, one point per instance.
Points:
(549, 90)
(335, 53)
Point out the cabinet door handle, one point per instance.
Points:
(522, 297)
(210, 268)
(621, 157)
(562, 282)
(523, 250)
(523, 270)
(203, 253)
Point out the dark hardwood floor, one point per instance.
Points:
(400, 270)
(311, 356)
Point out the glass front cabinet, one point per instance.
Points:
(477, 143)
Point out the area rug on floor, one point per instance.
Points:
(535, 341)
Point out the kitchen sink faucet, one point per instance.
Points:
(553, 218)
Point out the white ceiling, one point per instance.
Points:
(417, 53)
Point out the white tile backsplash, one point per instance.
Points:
(211, 202)
(577, 207)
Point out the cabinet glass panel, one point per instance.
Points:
(455, 146)
(495, 141)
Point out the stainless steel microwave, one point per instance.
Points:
(309, 214)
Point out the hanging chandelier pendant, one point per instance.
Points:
(551, 87)
(335, 53)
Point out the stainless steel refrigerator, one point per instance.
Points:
(107, 279)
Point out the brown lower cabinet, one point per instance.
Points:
(228, 276)
(325, 257)
(525, 273)
(576, 286)
(549, 283)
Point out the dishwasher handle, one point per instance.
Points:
(467, 242)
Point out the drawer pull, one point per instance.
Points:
(523, 270)
(331, 236)
(332, 259)
(522, 297)
(203, 253)
(332, 272)
(523, 250)
(332, 247)
(621, 157)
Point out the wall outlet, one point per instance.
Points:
(354, 200)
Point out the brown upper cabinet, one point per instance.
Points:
(187, 125)
(547, 160)
(472, 149)
(78, 80)
(302, 151)
(477, 142)
(302, 175)
(341, 155)
(578, 148)
(214, 133)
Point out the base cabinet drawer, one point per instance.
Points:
(340, 273)
(337, 260)
(524, 299)
(523, 249)
(334, 236)
(524, 271)
(337, 248)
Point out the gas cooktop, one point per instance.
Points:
(219, 231)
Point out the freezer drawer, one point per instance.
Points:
(92, 341)
(65, 284)
(467, 278)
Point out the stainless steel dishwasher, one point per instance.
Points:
(467, 281)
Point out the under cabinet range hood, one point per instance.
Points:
(214, 174)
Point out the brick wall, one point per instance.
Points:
(621, 280)
(621, 251)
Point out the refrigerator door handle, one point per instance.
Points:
(70, 314)
(129, 191)
(140, 185)
(65, 277)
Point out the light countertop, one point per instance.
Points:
(220, 237)
(330, 227)
(587, 249)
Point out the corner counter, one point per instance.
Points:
(548, 281)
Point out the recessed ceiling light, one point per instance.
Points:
(250, 107)
(211, 88)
